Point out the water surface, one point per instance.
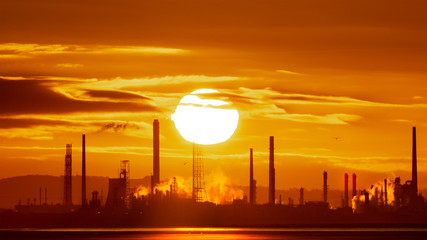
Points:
(217, 233)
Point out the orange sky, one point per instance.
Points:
(307, 72)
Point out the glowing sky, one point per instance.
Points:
(338, 83)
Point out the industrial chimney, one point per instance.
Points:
(67, 176)
(272, 187)
(345, 190)
(354, 186)
(83, 171)
(414, 161)
(156, 153)
(325, 187)
(385, 192)
(251, 178)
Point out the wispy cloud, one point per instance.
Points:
(39, 127)
(288, 72)
(337, 118)
(264, 103)
(69, 65)
(25, 50)
(120, 83)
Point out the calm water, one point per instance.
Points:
(217, 233)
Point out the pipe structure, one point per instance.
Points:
(84, 170)
(156, 153)
(272, 180)
(345, 190)
(354, 186)
(251, 177)
(414, 161)
(325, 186)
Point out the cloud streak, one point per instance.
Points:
(27, 50)
(29, 97)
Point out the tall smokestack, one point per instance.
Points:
(414, 161)
(385, 192)
(156, 152)
(40, 197)
(83, 170)
(325, 186)
(354, 186)
(251, 177)
(45, 196)
(68, 176)
(346, 190)
(272, 187)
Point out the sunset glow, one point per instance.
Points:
(204, 120)
(339, 84)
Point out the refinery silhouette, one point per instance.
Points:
(393, 202)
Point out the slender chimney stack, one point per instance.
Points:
(83, 170)
(414, 161)
(45, 196)
(385, 192)
(251, 178)
(40, 197)
(156, 153)
(354, 186)
(325, 186)
(272, 187)
(346, 190)
(68, 176)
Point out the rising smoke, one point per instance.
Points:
(218, 188)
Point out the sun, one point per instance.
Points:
(205, 117)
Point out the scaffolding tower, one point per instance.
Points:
(125, 174)
(68, 176)
(199, 189)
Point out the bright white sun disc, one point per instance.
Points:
(202, 118)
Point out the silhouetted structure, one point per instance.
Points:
(366, 194)
(165, 208)
(325, 187)
(156, 153)
(414, 182)
(125, 173)
(84, 203)
(251, 178)
(345, 190)
(199, 190)
(272, 180)
(405, 197)
(152, 185)
(67, 176)
(116, 194)
(95, 202)
(117, 189)
(385, 192)
(354, 186)
(407, 194)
